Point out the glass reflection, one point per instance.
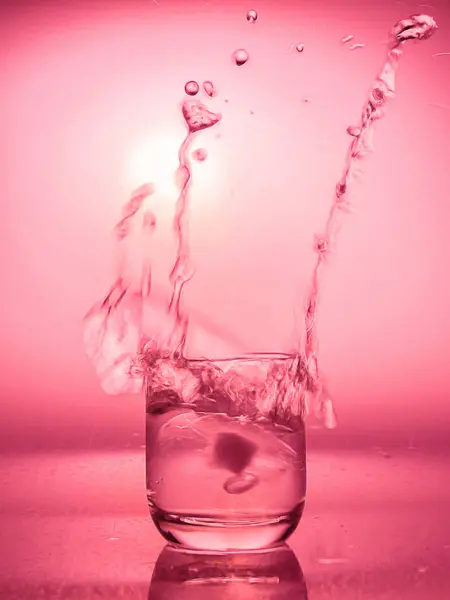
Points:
(273, 574)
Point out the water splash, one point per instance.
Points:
(417, 27)
(124, 347)
(115, 331)
(197, 118)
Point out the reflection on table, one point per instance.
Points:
(265, 575)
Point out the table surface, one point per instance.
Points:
(75, 525)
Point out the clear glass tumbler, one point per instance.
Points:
(225, 450)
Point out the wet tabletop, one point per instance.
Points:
(75, 525)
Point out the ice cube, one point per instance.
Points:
(233, 451)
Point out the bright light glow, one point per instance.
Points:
(154, 160)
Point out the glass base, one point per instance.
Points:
(201, 533)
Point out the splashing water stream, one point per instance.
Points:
(123, 351)
(417, 27)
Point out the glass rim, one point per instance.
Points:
(247, 356)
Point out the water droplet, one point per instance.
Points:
(252, 16)
(347, 38)
(238, 484)
(240, 57)
(200, 154)
(356, 46)
(353, 130)
(299, 47)
(210, 89)
(191, 88)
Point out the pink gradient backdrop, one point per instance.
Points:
(84, 82)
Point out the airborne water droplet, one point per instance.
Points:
(210, 89)
(252, 16)
(238, 484)
(299, 47)
(240, 57)
(200, 154)
(191, 88)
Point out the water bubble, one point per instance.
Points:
(210, 89)
(238, 484)
(252, 16)
(353, 130)
(191, 88)
(200, 154)
(240, 57)
(299, 47)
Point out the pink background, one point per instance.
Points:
(87, 85)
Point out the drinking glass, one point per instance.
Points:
(225, 450)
